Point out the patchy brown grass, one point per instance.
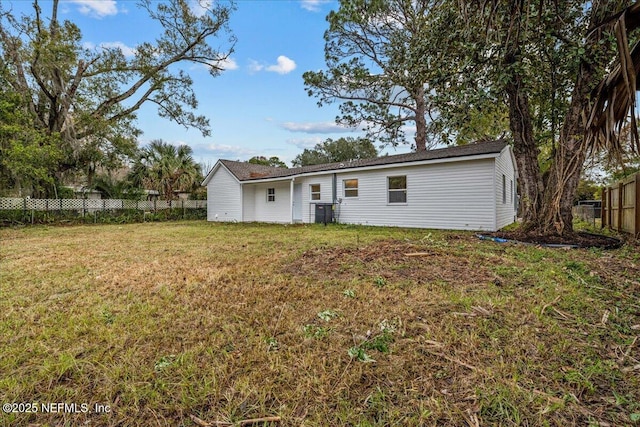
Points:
(318, 326)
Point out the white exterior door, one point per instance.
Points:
(297, 203)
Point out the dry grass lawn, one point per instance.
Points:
(175, 324)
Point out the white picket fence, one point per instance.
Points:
(96, 205)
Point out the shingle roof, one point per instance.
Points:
(249, 172)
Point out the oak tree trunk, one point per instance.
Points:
(547, 202)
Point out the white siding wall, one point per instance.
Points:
(278, 211)
(224, 197)
(505, 212)
(456, 195)
(326, 195)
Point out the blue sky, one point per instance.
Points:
(258, 106)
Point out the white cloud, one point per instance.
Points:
(255, 66)
(199, 7)
(126, 50)
(227, 64)
(306, 142)
(227, 151)
(315, 127)
(96, 8)
(312, 5)
(284, 66)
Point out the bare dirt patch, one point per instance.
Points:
(391, 260)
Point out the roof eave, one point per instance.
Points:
(213, 170)
(375, 167)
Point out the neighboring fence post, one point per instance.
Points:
(620, 205)
(603, 209)
(610, 207)
(84, 207)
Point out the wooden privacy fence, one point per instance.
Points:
(97, 205)
(621, 206)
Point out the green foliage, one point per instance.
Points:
(79, 104)
(327, 315)
(272, 343)
(314, 331)
(112, 216)
(164, 362)
(273, 161)
(166, 169)
(349, 293)
(587, 190)
(340, 150)
(380, 281)
(380, 65)
(550, 47)
(112, 188)
(27, 156)
(358, 353)
(65, 193)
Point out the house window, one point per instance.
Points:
(504, 189)
(511, 191)
(271, 194)
(315, 191)
(397, 189)
(350, 187)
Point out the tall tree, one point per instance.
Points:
(544, 60)
(271, 161)
(166, 169)
(89, 97)
(378, 55)
(340, 150)
(27, 156)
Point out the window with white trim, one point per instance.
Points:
(314, 189)
(504, 190)
(350, 187)
(271, 194)
(397, 189)
(511, 191)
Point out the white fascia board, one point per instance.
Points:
(376, 167)
(283, 178)
(404, 164)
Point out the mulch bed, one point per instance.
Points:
(577, 239)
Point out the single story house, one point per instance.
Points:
(468, 187)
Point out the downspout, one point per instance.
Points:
(334, 196)
(334, 189)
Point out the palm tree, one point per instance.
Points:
(612, 125)
(166, 168)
